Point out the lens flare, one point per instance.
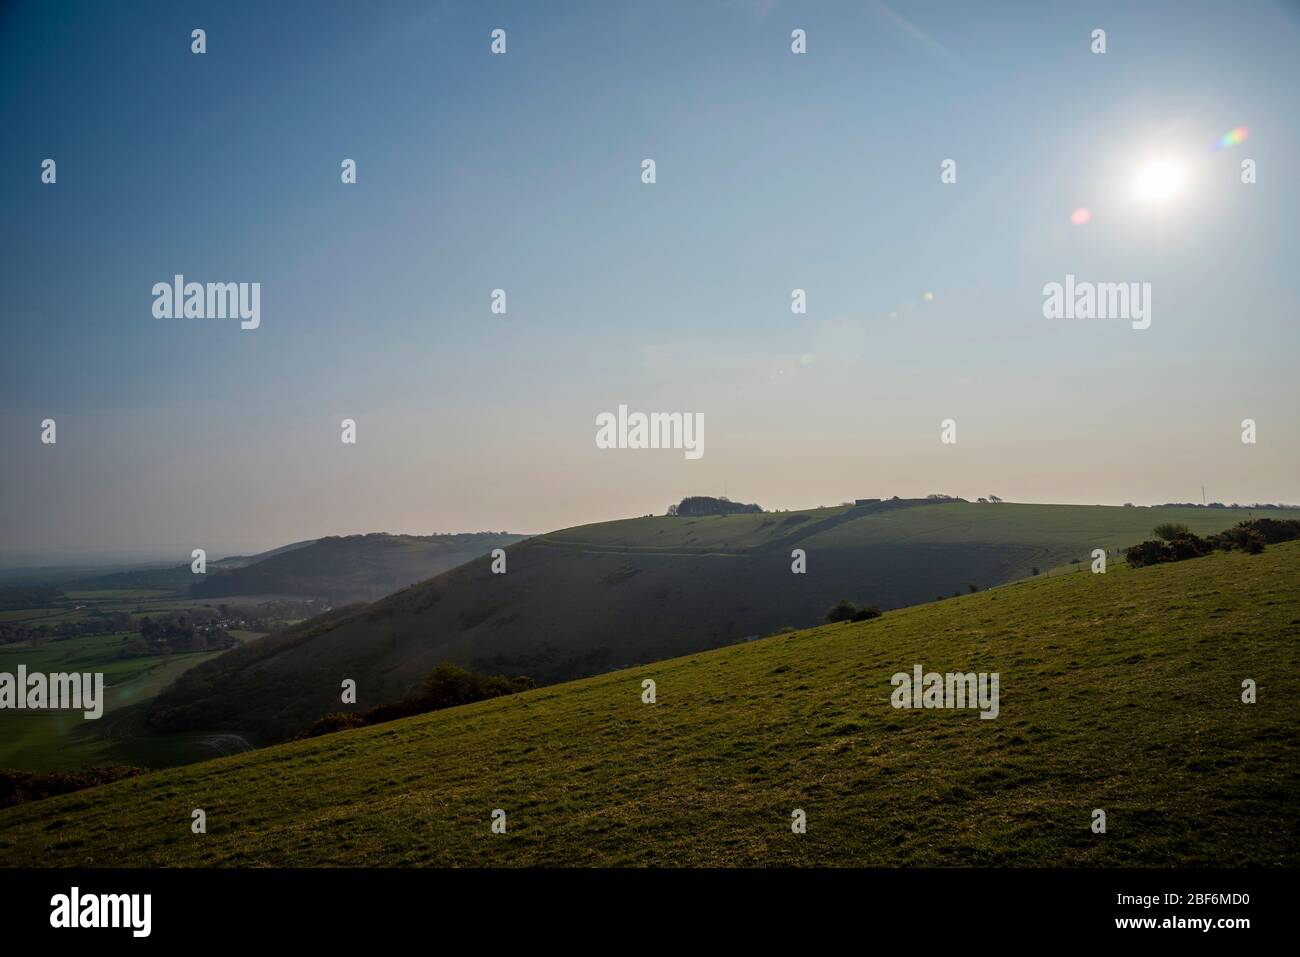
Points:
(1234, 137)
(1080, 216)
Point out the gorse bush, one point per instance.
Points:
(844, 610)
(1147, 553)
(445, 687)
(1249, 537)
(1274, 530)
(1245, 539)
(334, 721)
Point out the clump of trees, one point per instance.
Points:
(196, 630)
(708, 505)
(1175, 543)
(446, 686)
(95, 623)
(1260, 505)
(844, 610)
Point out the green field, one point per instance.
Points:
(66, 741)
(1118, 691)
(598, 598)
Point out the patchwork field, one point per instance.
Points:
(64, 741)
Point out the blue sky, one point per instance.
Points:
(522, 171)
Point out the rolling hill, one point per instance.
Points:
(152, 575)
(350, 568)
(1119, 691)
(591, 599)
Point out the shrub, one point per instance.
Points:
(1274, 530)
(334, 721)
(1182, 547)
(1171, 530)
(1249, 537)
(842, 610)
(446, 686)
(1147, 553)
(1249, 540)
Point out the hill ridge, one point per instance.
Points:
(1119, 691)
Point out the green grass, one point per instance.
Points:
(1119, 691)
(1075, 528)
(29, 614)
(118, 594)
(647, 589)
(54, 740)
(51, 741)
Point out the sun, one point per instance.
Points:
(1160, 180)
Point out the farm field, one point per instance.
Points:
(65, 741)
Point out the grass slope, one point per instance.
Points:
(1119, 691)
(597, 598)
(352, 568)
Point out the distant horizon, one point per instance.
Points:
(179, 554)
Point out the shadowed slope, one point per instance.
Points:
(595, 598)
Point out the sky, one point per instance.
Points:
(775, 171)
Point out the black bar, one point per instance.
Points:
(331, 906)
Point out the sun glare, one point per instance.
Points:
(1159, 180)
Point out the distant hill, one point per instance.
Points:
(595, 598)
(1118, 691)
(171, 577)
(350, 568)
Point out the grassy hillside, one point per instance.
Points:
(591, 599)
(1118, 691)
(352, 568)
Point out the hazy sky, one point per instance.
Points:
(522, 171)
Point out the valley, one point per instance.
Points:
(645, 589)
(1119, 692)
